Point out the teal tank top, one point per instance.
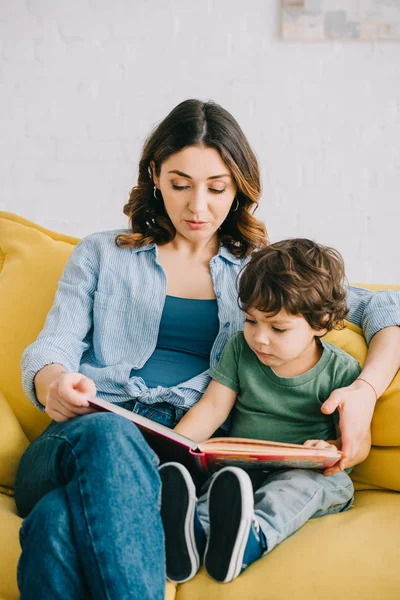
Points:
(187, 332)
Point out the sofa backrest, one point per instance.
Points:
(32, 259)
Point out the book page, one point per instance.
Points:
(264, 447)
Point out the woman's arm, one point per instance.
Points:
(373, 311)
(378, 314)
(356, 402)
(44, 378)
(208, 414)
(62, 341)
(64, 395)
(365, 447)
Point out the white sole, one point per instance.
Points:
(189, 521)
(247, 512)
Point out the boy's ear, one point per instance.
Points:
(320, 332)
(323, 331)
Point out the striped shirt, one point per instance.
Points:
(107, 310)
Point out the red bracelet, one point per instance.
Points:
(370, 385)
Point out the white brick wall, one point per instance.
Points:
(82, 83)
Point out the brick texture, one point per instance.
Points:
(83, 82)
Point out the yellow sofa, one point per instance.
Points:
(355, 555)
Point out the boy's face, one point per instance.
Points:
(282, 340)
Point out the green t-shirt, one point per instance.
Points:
(282, 409)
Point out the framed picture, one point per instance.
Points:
(319, 20)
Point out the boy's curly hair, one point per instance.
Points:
(299, 276)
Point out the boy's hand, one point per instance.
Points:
(356, 404)
(318, 444)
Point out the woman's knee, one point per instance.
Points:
(111, 425)
(105, 434)
(99, 428)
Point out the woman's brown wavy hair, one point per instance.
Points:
(197, 123)
(299, 276)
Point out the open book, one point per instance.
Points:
(216, 453)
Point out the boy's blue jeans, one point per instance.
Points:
(286, 499)
(89, 492)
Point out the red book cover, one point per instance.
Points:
(215, 453)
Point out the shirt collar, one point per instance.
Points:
(136, 249)
(222, 252)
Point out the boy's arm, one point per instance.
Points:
(208, 414)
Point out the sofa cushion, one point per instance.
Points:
(10, 550)
(31, 263)
(354, 556)
(380, 469)
(13, 443)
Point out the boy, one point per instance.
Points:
(275, 375)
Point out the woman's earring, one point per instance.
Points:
(236, 207)
(155, 193)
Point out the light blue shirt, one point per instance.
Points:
(107, 311)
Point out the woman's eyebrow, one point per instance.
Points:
(180, 173)
(189, 177)
(219, 176)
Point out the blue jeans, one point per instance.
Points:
(89, 491)
(286, 499)
(163, 413)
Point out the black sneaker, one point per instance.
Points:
(235, 539)
(184, 536)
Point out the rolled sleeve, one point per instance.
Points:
(373, 311)
(34, 359)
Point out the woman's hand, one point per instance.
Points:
(67, 396)
(356, 404)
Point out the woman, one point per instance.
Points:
(139, 317)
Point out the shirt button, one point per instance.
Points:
(227, 324)
(218, 356)
(218, 294)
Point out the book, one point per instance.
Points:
(218, 452)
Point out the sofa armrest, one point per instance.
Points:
(13, 443)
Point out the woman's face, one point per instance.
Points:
(198, 191)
